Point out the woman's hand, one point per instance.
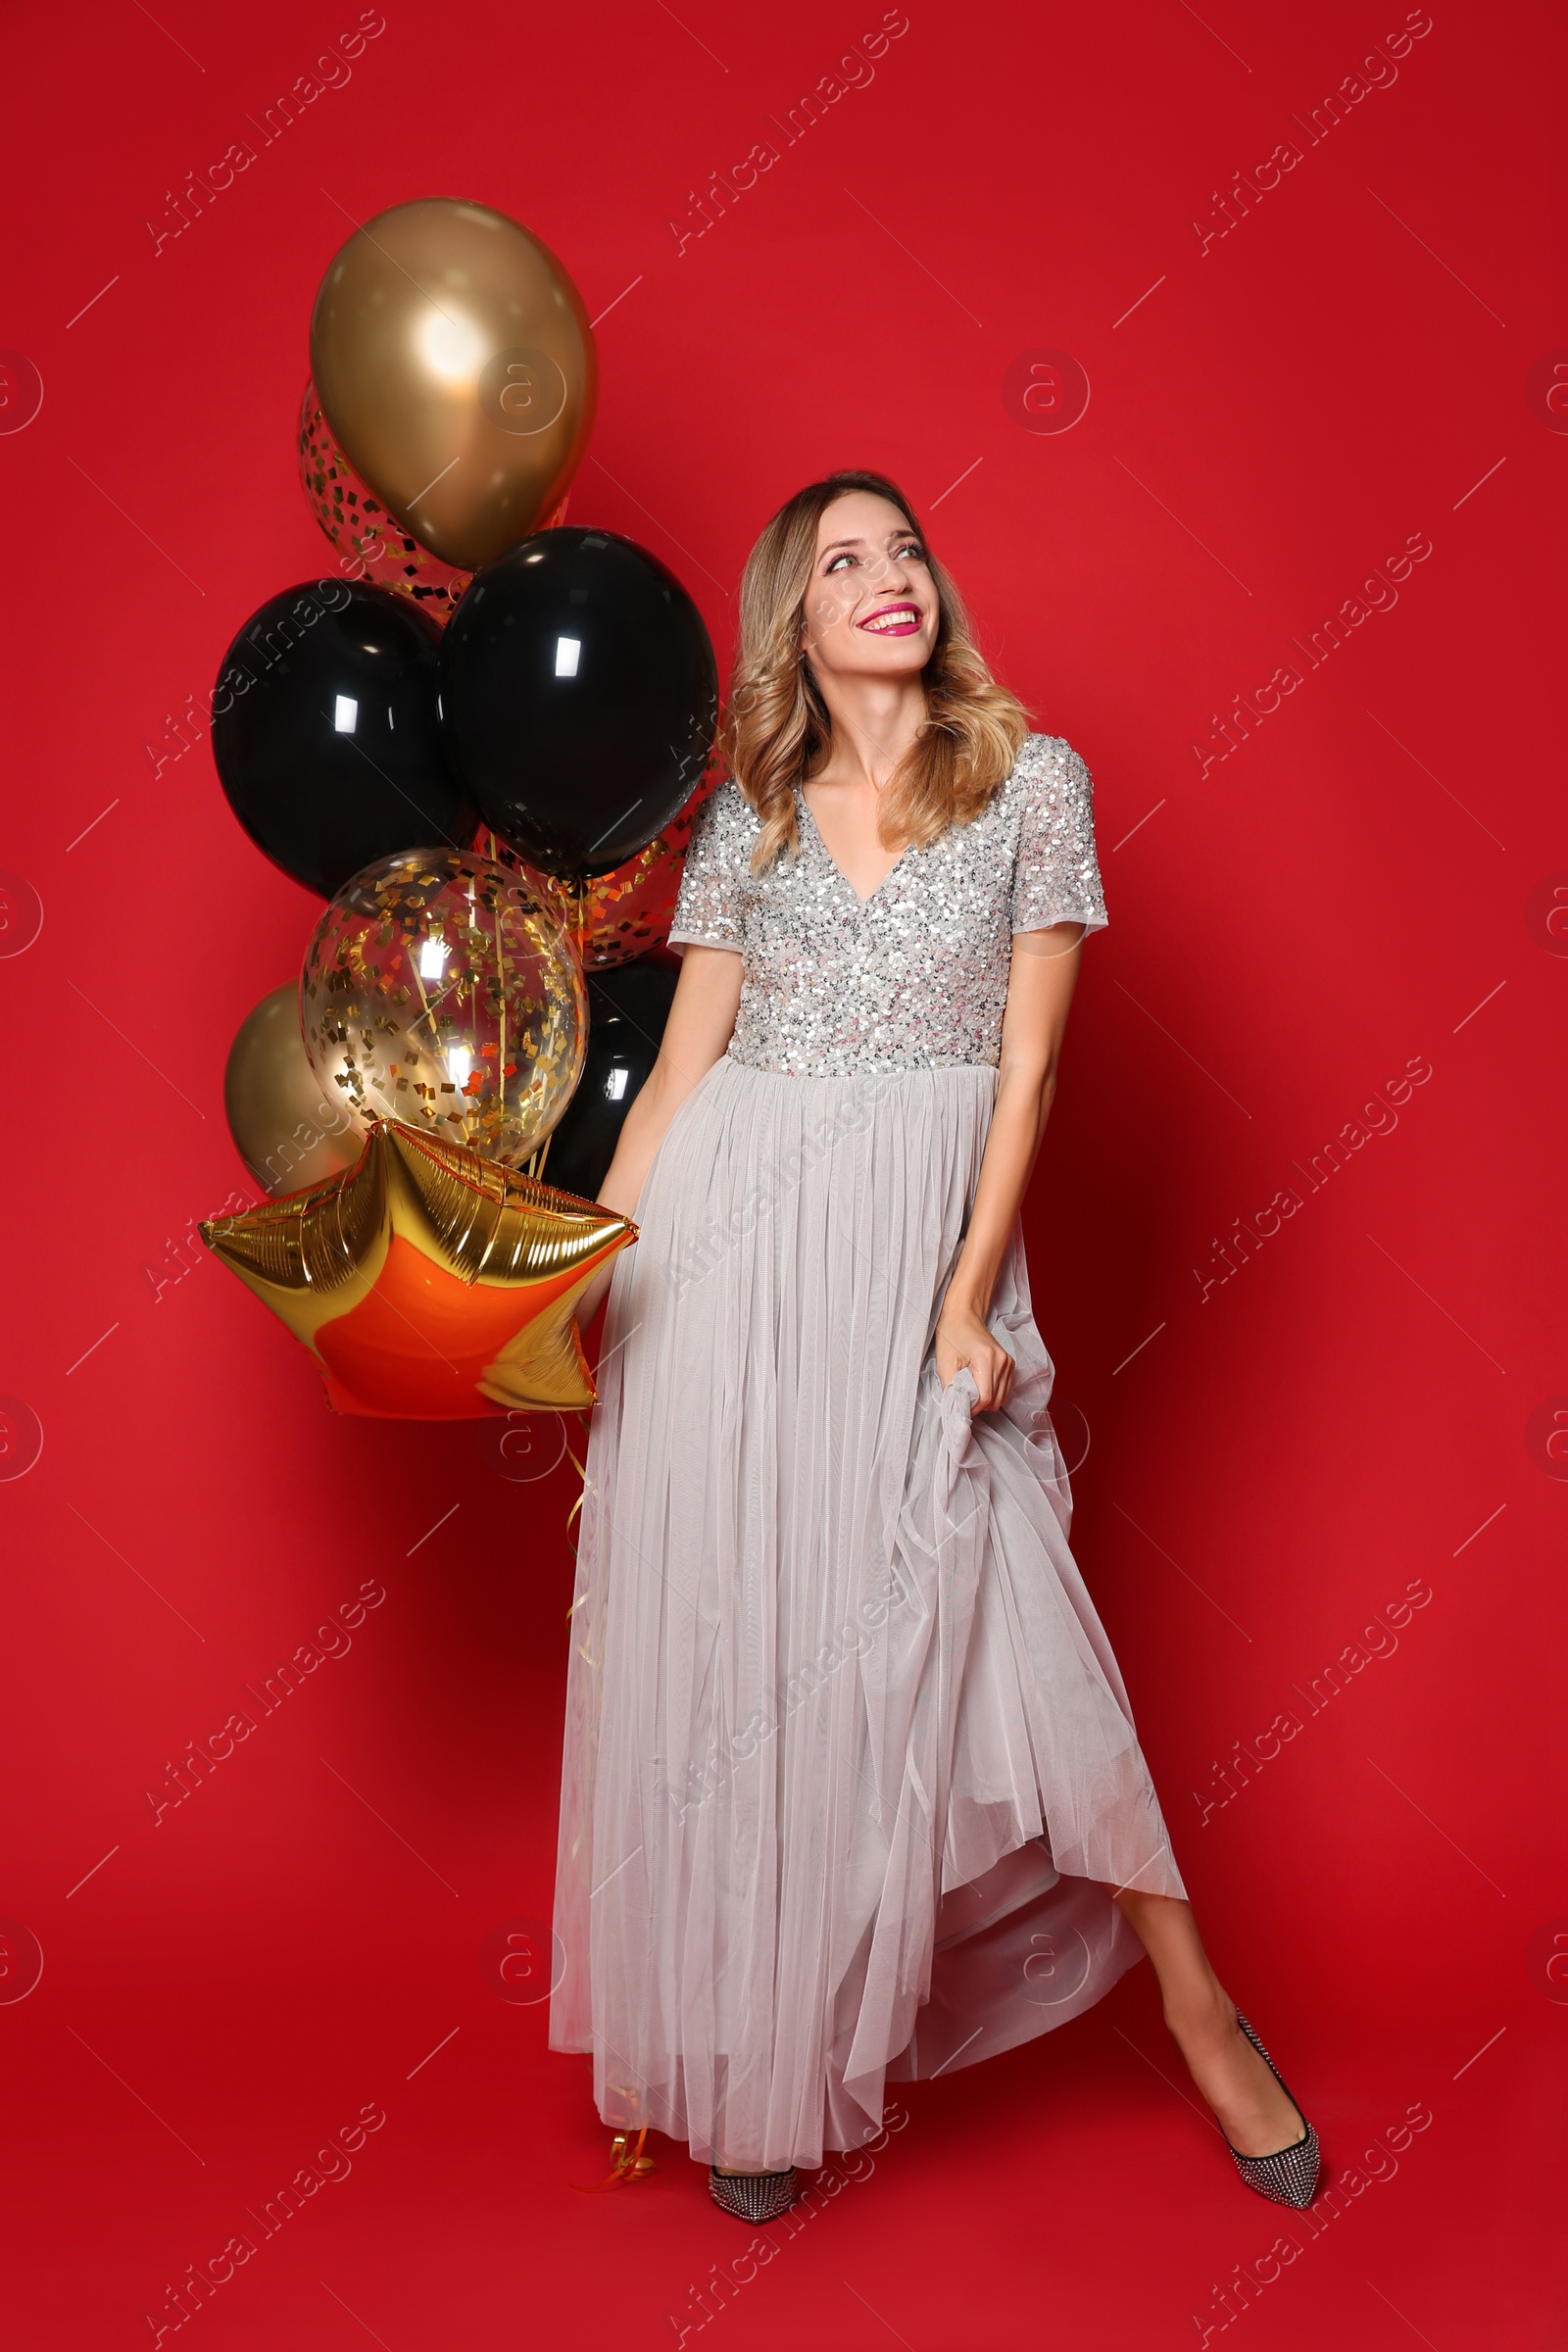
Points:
(701, 1023)
(963, 1337)
(596, 1290)
(1045, 965)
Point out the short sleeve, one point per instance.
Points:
(707, 903)
(1057, 874)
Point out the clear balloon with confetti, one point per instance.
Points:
(441, 991)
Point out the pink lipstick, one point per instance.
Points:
(894, 620)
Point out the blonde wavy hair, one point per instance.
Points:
(777, 732)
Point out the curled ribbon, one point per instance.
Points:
(627, 2163)
(582, 1469)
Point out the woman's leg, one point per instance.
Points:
(1250, 2108)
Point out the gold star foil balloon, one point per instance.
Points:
(439, 989)
(429, 1284)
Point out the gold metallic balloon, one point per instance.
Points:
(455, 364)
(440, 990)
(284, 1128)
(428, 1284)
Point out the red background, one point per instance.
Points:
(1350, 889)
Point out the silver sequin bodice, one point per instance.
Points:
(916, 976)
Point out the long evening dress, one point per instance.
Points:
(850, 1771)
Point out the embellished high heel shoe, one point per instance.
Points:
(754, 2197)
(1290, 2175)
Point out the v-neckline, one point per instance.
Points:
(838, 869)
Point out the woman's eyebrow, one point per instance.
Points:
(905, 533)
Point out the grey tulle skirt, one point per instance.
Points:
(850, 1771)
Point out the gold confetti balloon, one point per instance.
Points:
(612, 917)
(372, 543)
(439, 990)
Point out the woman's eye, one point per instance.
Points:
(908, 547)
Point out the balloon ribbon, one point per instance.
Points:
(627, 2163)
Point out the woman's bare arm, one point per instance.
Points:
(701, 1023)
(1045, 971)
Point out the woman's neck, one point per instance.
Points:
(875, 722)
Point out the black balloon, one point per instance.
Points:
(578, 698)
(327, 732)
(627, 1008)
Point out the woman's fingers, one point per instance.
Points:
(993, 1378)
(989, 1366)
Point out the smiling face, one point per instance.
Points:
(870, 608)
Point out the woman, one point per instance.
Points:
(852, 1788)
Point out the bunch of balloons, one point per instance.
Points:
(482, 740)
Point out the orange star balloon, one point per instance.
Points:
(429, 1284)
